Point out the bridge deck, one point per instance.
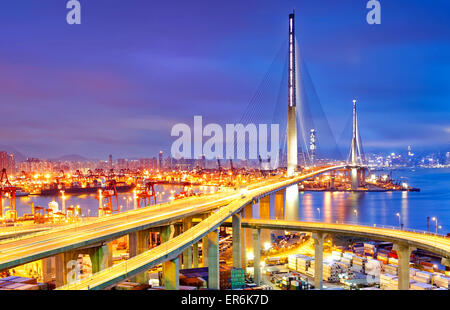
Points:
(436, 244)
(51, 242)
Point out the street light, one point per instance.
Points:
(399, 224)
(435, 219)
(318, 209)
(356, 214)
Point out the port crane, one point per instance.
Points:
(9, 191)
(219, 165)
(107, 197)
(144, 196)
(261, 170)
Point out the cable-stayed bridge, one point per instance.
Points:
(181, 235)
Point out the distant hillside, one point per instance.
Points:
(17, 155)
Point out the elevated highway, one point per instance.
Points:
(436, 244)
(54, 241)
(174, 247)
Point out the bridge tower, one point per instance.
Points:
(292, 198)
(292, 109)
(355, 152)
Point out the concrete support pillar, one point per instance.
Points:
(279, 199)
(292, 205)
(205, 251)
(171, 274)
(332, 179)
(248, 214)
(66, 268)
(243, 246)
(237, 259)
(318, 259)
(171, 267)
(60, 270)
(187, 258)
(257, 256)
(167, 232)
(138, 242)
(213, 260)
(362, 177)
(264, 214)
(404, 254)
(47, 271)
(101, 257)
(195, 255)
(187, 254)
(279, 205)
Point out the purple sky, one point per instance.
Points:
(117, 83)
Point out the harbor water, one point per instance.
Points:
(366, 208)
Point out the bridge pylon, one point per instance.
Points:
(292, 198)
(292, 150)
(356, 158)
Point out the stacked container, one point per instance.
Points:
(237, 278)
(441, 281)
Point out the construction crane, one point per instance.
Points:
(10, 192)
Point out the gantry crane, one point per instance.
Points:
(107, 197)
(144, 196)
(10, 192)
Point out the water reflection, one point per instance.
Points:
(404, 211)
(380, 208)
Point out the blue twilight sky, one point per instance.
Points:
(117, 83)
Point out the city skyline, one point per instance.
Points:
(247, 145)
(103, 86)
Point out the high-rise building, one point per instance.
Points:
(8, 162)
(122, 163)
(12, 164)
(148, 163)
(4, 161)
(312, 145)
(160, 160)
(110, 165)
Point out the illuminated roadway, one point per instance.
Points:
(40, 245)
(436, 244)
(79, 235)
(175, 246)
(224, 203)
